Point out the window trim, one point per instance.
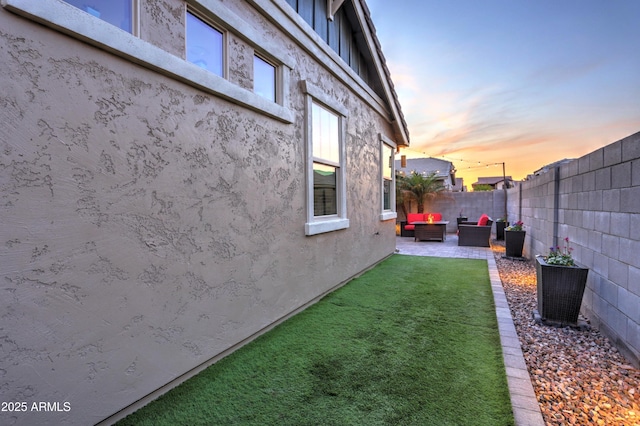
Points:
(78, 24)
(387, 214)
(321, 224)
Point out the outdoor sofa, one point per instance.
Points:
(475, 234)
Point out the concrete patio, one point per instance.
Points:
(526, 409)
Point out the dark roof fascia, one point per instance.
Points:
(398, 119)
(279, 11)
(280, 14)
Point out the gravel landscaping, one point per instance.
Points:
(579, 377)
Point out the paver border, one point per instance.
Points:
(526, 409)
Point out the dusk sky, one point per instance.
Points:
(525, 82)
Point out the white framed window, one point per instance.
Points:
(121, 13)
(326, 163)
(326, 160)
(204, 45)
(264, 78)
(387, 178)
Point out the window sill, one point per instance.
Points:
(320, 227)
(388, 215)
(72, 21)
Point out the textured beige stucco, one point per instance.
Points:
(162, 24)
(147, 226)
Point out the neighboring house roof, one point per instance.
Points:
(492, 180)
(426, 166)
(545, 169)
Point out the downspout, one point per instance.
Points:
(520, 201)
(504, 187)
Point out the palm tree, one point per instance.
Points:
(401, 200)
(419, 188)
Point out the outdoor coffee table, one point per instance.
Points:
(434, 231)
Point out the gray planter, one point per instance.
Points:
(514, 242)
(560, 290)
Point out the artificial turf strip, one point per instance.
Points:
(414, 341)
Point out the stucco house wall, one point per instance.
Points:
(595, 202)
(152, 221)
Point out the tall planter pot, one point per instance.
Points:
(514, 242)
(560, 290)
(500, 225)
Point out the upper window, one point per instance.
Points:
(98, 22)
(116, 12)
(204, 45)
(264, 78)
(326, 177)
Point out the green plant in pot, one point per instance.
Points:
(514, 237)
(560, 283)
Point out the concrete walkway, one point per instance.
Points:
(526, 410)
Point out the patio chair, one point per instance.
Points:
(475, 234)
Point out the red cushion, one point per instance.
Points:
(437, 217)
(409, 227)
(414, 217)
(483, 220)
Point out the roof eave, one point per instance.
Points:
(397, 117)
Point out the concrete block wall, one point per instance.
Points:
(533, 204)
(595, 202)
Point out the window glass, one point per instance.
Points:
(115, 12)
(387, 161)
(326, 157)
(264, 78)
(324, 190)
(204, 45)
(387, 170)
(326, 139)
(386, 197)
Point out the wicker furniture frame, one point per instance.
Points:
(406, 232)
(470, 234)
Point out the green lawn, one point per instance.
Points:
(414, 341)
